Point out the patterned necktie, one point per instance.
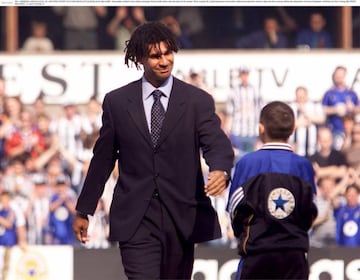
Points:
(157, 116)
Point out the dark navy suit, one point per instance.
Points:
(172, 169)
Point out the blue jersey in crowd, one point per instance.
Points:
(333, 97)
(347, 225)
(8, 236)
(61, 221)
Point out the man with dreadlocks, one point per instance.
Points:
(157, 128)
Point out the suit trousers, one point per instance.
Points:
(157, 250)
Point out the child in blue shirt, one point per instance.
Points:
(271, 202)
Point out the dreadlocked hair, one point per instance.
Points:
(148, 34)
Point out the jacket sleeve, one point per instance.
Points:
(216, 147)
(101, 165)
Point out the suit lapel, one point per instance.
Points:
(136, 111)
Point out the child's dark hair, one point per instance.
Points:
(147, 34)
(278, 119)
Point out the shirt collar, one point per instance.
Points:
(277, 146)
(147, 88)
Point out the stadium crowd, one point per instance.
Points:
(44, 157)
(107, 28)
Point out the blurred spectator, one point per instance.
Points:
(322, 233)
(12, 110)
(25, 138)
(10, 122)
(43, 122)
(124, 22)
(38, 218)
(38, 41)
(80, 26)
(315, 36)
(191, 21)
(352, 151)
(62, 210)
(54, 168)
(88, 145)
(196, 78)
(93, 113)
(88, 124)
(8, 234)
(270, 37)
(347, 215)
(183, 40)
(71, 127)
(339, 101)
(348, 123)
(288, 23)
(327, 161)
(242, 114)
(308, 116)
(18, 182)
(76, 165)
(39, 106)
(39, 164)
(57, 160)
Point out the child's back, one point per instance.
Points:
(271, 202)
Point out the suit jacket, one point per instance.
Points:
(173, 167)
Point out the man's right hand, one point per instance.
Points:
(80, 227)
